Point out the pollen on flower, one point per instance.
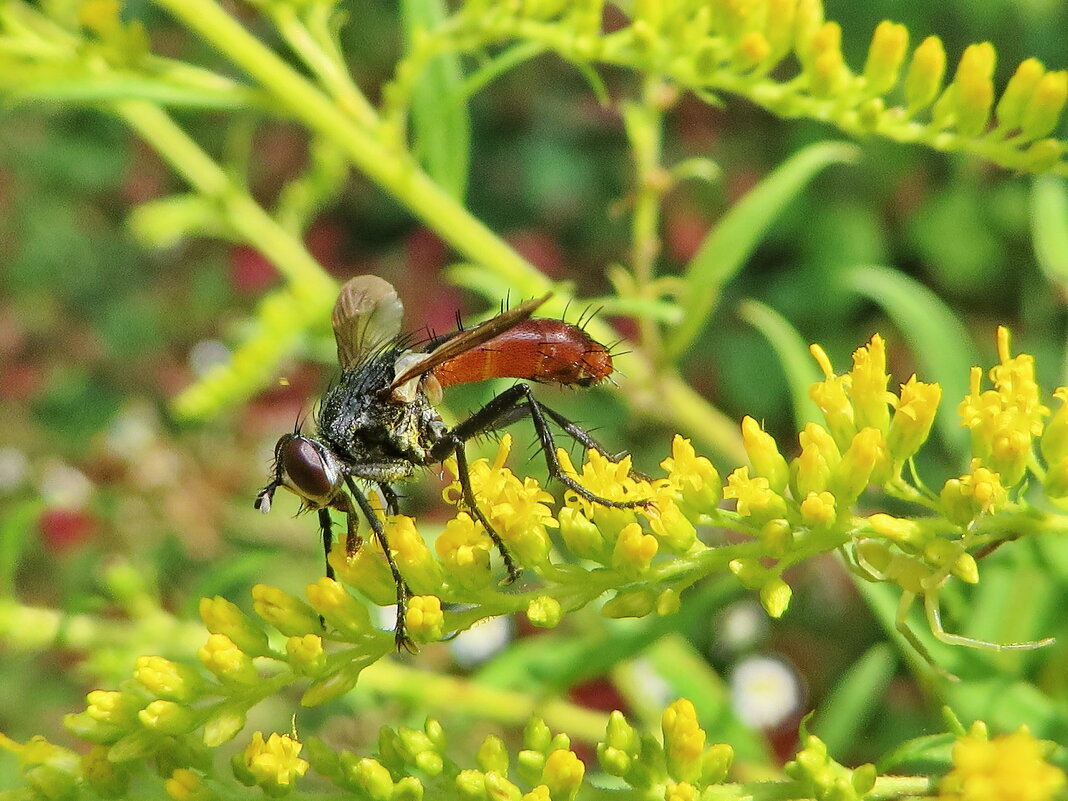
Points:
(274, 763)
(1011, 767)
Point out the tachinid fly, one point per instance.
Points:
(378, 422)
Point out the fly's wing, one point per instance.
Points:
(468, 339)
(367, 314)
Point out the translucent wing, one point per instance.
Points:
(466, 340)
(367, 314)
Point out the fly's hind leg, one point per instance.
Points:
(518, 401)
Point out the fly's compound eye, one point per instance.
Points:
(305, 468)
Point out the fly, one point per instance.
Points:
(379, 422)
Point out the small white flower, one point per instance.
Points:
(765, 692)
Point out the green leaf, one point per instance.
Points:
(439, 112)
(1049, 228)
(500, 64)
(792, 350)
(727, 246)
(941, 343)
(856, 695)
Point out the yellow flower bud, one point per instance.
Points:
(764, 454)
(634, 550)
(750, 572)
(220, 616)
(582, 537)
(227, 661)
(683, 791)
(1043, 110)
(889, 44)
(166, 679)
(168, 717)
(1018, 93)
(828, 71)
(338, 607)
(716, 763)
(752, 50)
(684, 740)
(1054, 443)
(925, 74)
(1055, 482)
(777, 536)
(289, 615)
(694, 477)
(464, 547)
(831, 396)
(417, 564)
(424, 619)
(974, 88)
(808, 21)
(775, 597)
(855, 470)
(563, 774)
(898, 529)
(779, 28)
(636, 603)
(669, 524)
(544, 612)
(817, 509)
(306, 654)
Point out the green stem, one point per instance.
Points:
(242, 213)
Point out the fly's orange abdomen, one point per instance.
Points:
(548, 351)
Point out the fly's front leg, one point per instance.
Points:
(326, 527)
(403, 592)
(507, 407)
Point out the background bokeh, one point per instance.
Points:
(101, 488)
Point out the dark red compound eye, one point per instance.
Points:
(303, 466)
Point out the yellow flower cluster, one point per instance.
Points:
(1010, 767)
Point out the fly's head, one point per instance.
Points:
(305, 467)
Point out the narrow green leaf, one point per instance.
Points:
(1049, 228)
(500, 64)
(941, 343)
(439, 112)
(17, 529)
(792, 350)
(734, 238)
(856, 695)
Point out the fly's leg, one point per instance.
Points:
(392, 501)
(583, 438)
(519, 401)
(403, 593)
(468, 494)
(326, 527)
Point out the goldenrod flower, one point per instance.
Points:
(973, 88)
(754, 495)
(913, 417)
(544, 612)
(417, 564)
(1054, 443)
(634, 550)
(464, 547)
(1011, 767)
(867, 391)
(898, 529)
(1017, 94)
(168, 717)
(693, 477)
(273, 763)
(516, 509)
(186, 785)
(818, 509)
(683, 791)
(978, 492)
(1044, 107)
(1004, 420)
(831, 396)
(367, 571)
(684, 740)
